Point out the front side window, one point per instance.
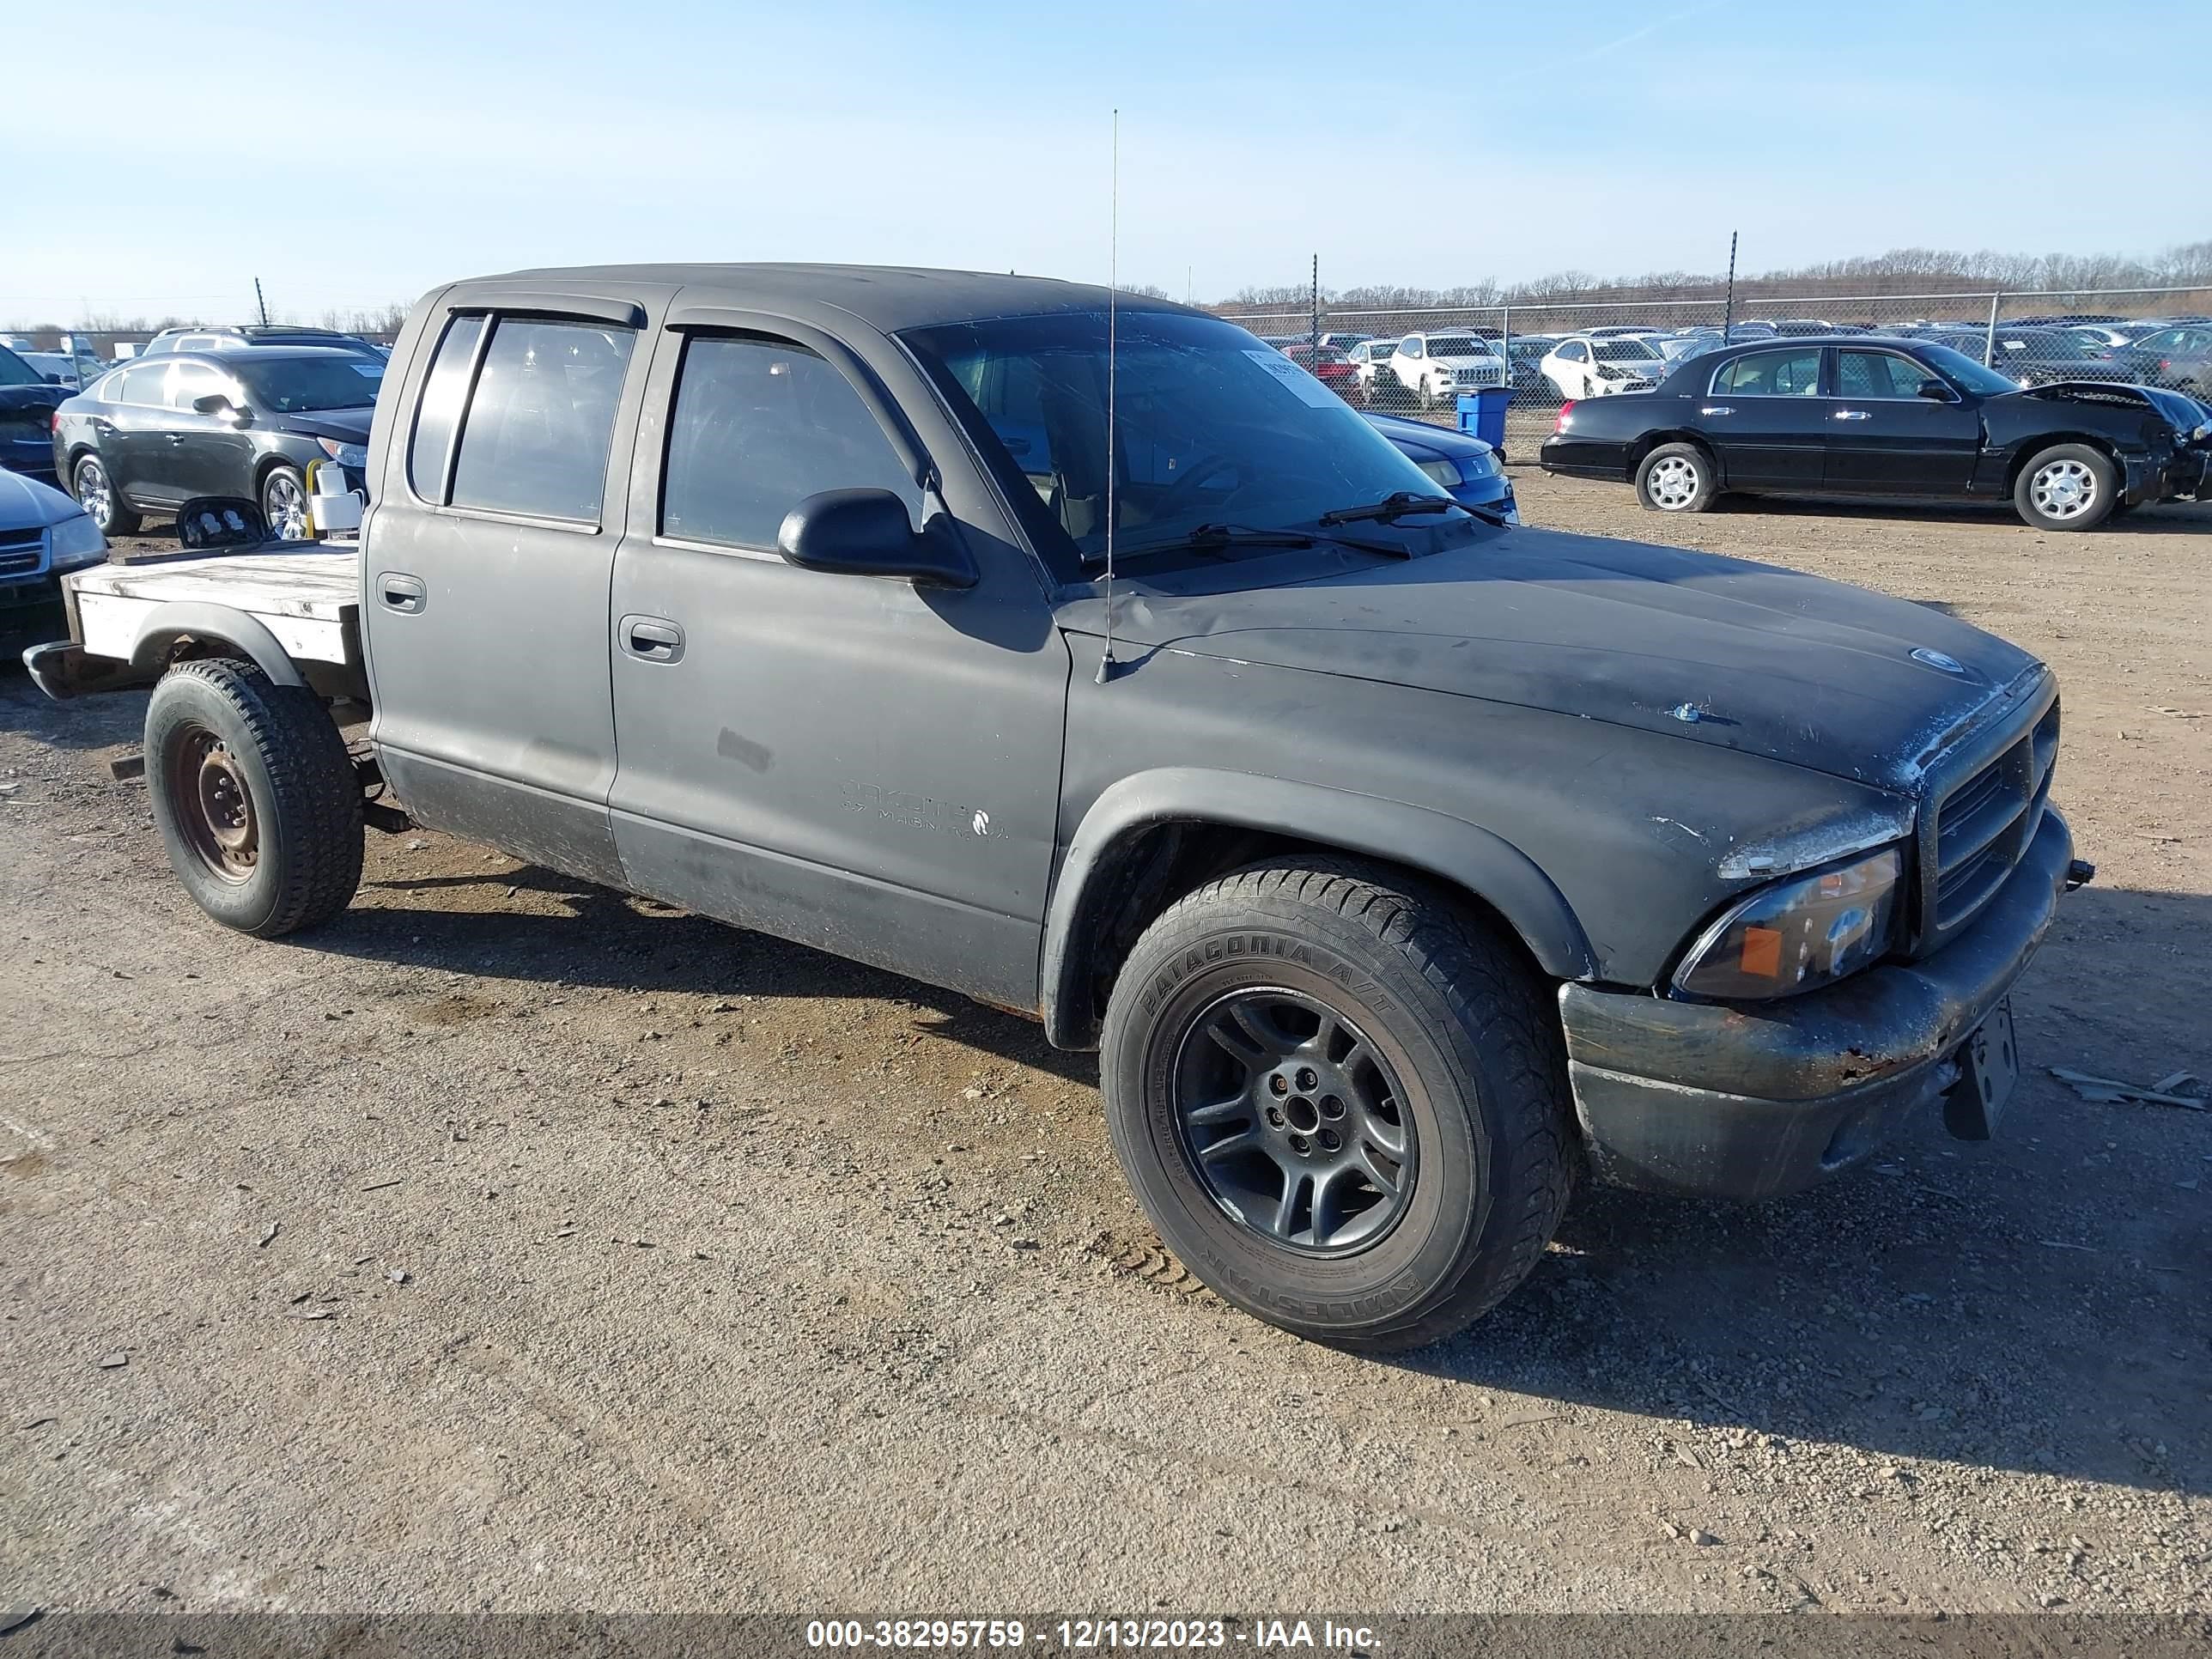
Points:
(760, 425)
(1209, 428)
(1772, 374)
(1878, 374)
(190, 381)
(541, 418)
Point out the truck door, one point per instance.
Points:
(850, 761)
(486, 558)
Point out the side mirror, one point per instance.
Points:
(866, 532)
(55, 378)
(1934, 391)
(215, 403)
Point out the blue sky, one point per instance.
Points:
(1427, 145)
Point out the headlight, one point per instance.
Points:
(1483, 465)
(1799, 934)
(1446, 473)
(353, 455)
(77, 541)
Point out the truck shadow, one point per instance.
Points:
(2036, 1302)
(1961, 1303)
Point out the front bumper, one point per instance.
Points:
(1750, 1101)
(2181, 476)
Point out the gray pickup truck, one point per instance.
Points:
(1403, 866)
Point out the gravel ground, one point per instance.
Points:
(513, 1244)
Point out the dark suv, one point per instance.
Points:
(226, 337)
(147, 437)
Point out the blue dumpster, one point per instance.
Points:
(1483, 413)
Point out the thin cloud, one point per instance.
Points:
(1653, 28)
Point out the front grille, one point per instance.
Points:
(21, 537)
(19, 564)
(1981, 824)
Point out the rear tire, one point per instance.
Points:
(1270, 1039)
(89, 483)
(1676, 477)
(2067, 487)
(255, 797)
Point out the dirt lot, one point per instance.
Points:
(512, 1244)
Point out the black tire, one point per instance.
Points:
(1677, 477)
(255, 797)
(90, 481)
(2041, 493)
(1462, 1030)
(280, 483)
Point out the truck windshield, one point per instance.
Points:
(1210, 426)
(291, 386)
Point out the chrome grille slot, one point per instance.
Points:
(18, 564)
(21, 537)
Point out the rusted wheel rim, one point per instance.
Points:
(213, 806)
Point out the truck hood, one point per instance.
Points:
(1744, 656)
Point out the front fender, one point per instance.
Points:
(158, 635)
(1463, 853)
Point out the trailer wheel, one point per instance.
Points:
(255, 797)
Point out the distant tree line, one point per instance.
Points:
(1900, 270)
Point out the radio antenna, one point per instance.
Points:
(1106, 664)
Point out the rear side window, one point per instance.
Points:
(759, 426)
(1772, 374)
(540, 418)
(147, 384)
(443, 394)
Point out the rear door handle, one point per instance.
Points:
(176, 437)
(1716, 409)
(399, 592)
(1853, 414)
(652, 639)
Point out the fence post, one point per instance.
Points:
(1505, 349)
(1990, 336)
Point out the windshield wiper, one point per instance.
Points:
(1393, 506)
(1220, 539)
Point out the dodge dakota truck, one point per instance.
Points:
(1091, 659)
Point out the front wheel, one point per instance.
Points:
(1676, 478)
(96, 494)
(284, 503)
(2067, 487)
(1342, 1102)
(255, 797)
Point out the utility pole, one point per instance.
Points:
(1727, 309)
(260, 304)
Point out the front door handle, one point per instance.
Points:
(652, 639)
(397, 591)
(177, 437)
(1853, 414)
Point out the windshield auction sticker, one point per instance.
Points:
(1309, 389)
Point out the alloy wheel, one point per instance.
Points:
(94, 494)
(284, 504)
(2064, 489)
(1293, 1122)
(1673, 483)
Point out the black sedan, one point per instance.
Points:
(1873, 417)
(249, 422)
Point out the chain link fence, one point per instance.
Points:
(1418, 363)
